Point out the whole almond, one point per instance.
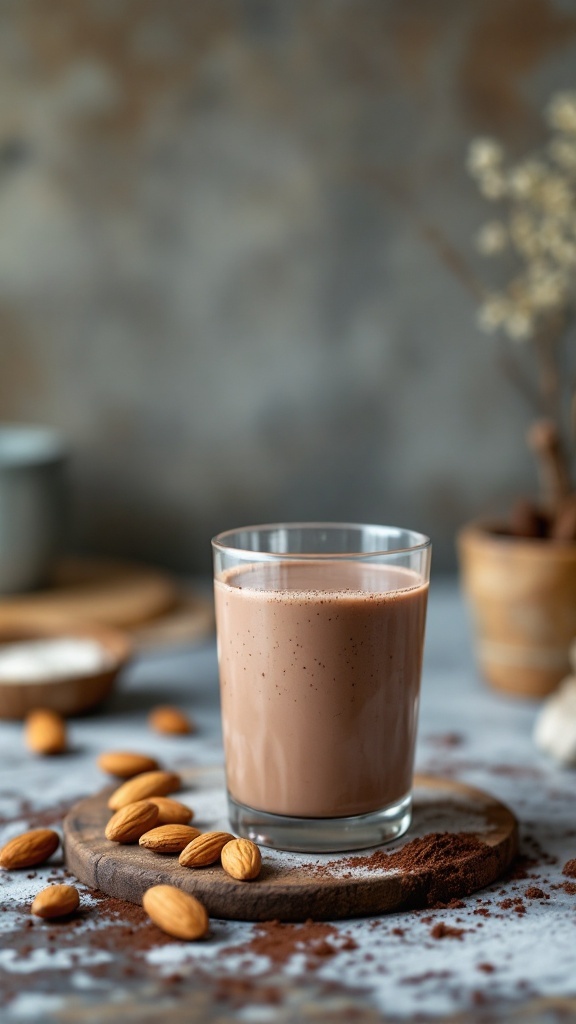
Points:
(56, 901)
(168, 838)
(168, 719)
(171, 812)
(175, 912)
(131, 822)
(204, 850)
(143, 786)
(29, 848)
(45, 732)
(241, 859)
(125, 764)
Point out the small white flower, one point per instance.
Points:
(547, 287)
(525, 178)
(561, 112)
(492, 184)
(519, 325)
(563, 152)
(555, 194)
(492, 313)
(524, 234)
(484, 155)
(491, 238)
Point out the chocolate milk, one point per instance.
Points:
(320, 668)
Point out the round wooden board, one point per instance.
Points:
(121, 594)
(294, 887)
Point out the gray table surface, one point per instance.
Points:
(506, 964)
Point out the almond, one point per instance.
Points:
(176, 912)
(45, 732)
(131, 822)
(205, 849)
(241, 859)
(56, 901)
(169, 838)
(171, 812)
(143, 786)
(125, 764)
(29, 848)
(168, 719)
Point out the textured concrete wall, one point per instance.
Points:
(216, 269)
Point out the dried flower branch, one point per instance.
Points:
(537, 228)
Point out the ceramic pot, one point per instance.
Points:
(522, 595)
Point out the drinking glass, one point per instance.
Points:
(320, 632)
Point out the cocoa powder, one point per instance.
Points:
(279, 942)
(570, 868)
(446, 931)
(438, 868)
(534, 893)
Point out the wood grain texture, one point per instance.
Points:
(291, 887)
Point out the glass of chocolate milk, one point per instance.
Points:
(320, 637)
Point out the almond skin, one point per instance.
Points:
(125, 765)
(131, 822)
(241, 859)
(168, 719)
(204, 850)
(143, 786)
(56, 901)
(45, 732)
(168, 838)
(171, 812)
(29, 848)
(177, 913)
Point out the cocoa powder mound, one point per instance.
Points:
(570, 868)
(569, 888)
(437, 868)
(535, 893)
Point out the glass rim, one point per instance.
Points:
(219, 541)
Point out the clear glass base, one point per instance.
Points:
(321, 835)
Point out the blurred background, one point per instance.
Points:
(228, 270)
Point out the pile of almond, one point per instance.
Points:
(144, 813)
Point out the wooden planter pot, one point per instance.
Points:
(522, 595)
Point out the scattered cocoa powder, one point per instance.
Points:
(438, 868)
(279, 942)
(534, 893)
(513, 903)
(570, 888)
(487, 968)
(570, 868)
(446, 931)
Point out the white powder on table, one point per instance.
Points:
(39, 661)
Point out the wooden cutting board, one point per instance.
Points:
(121, 594)
(295, 887)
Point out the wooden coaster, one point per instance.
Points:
(295, 887)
